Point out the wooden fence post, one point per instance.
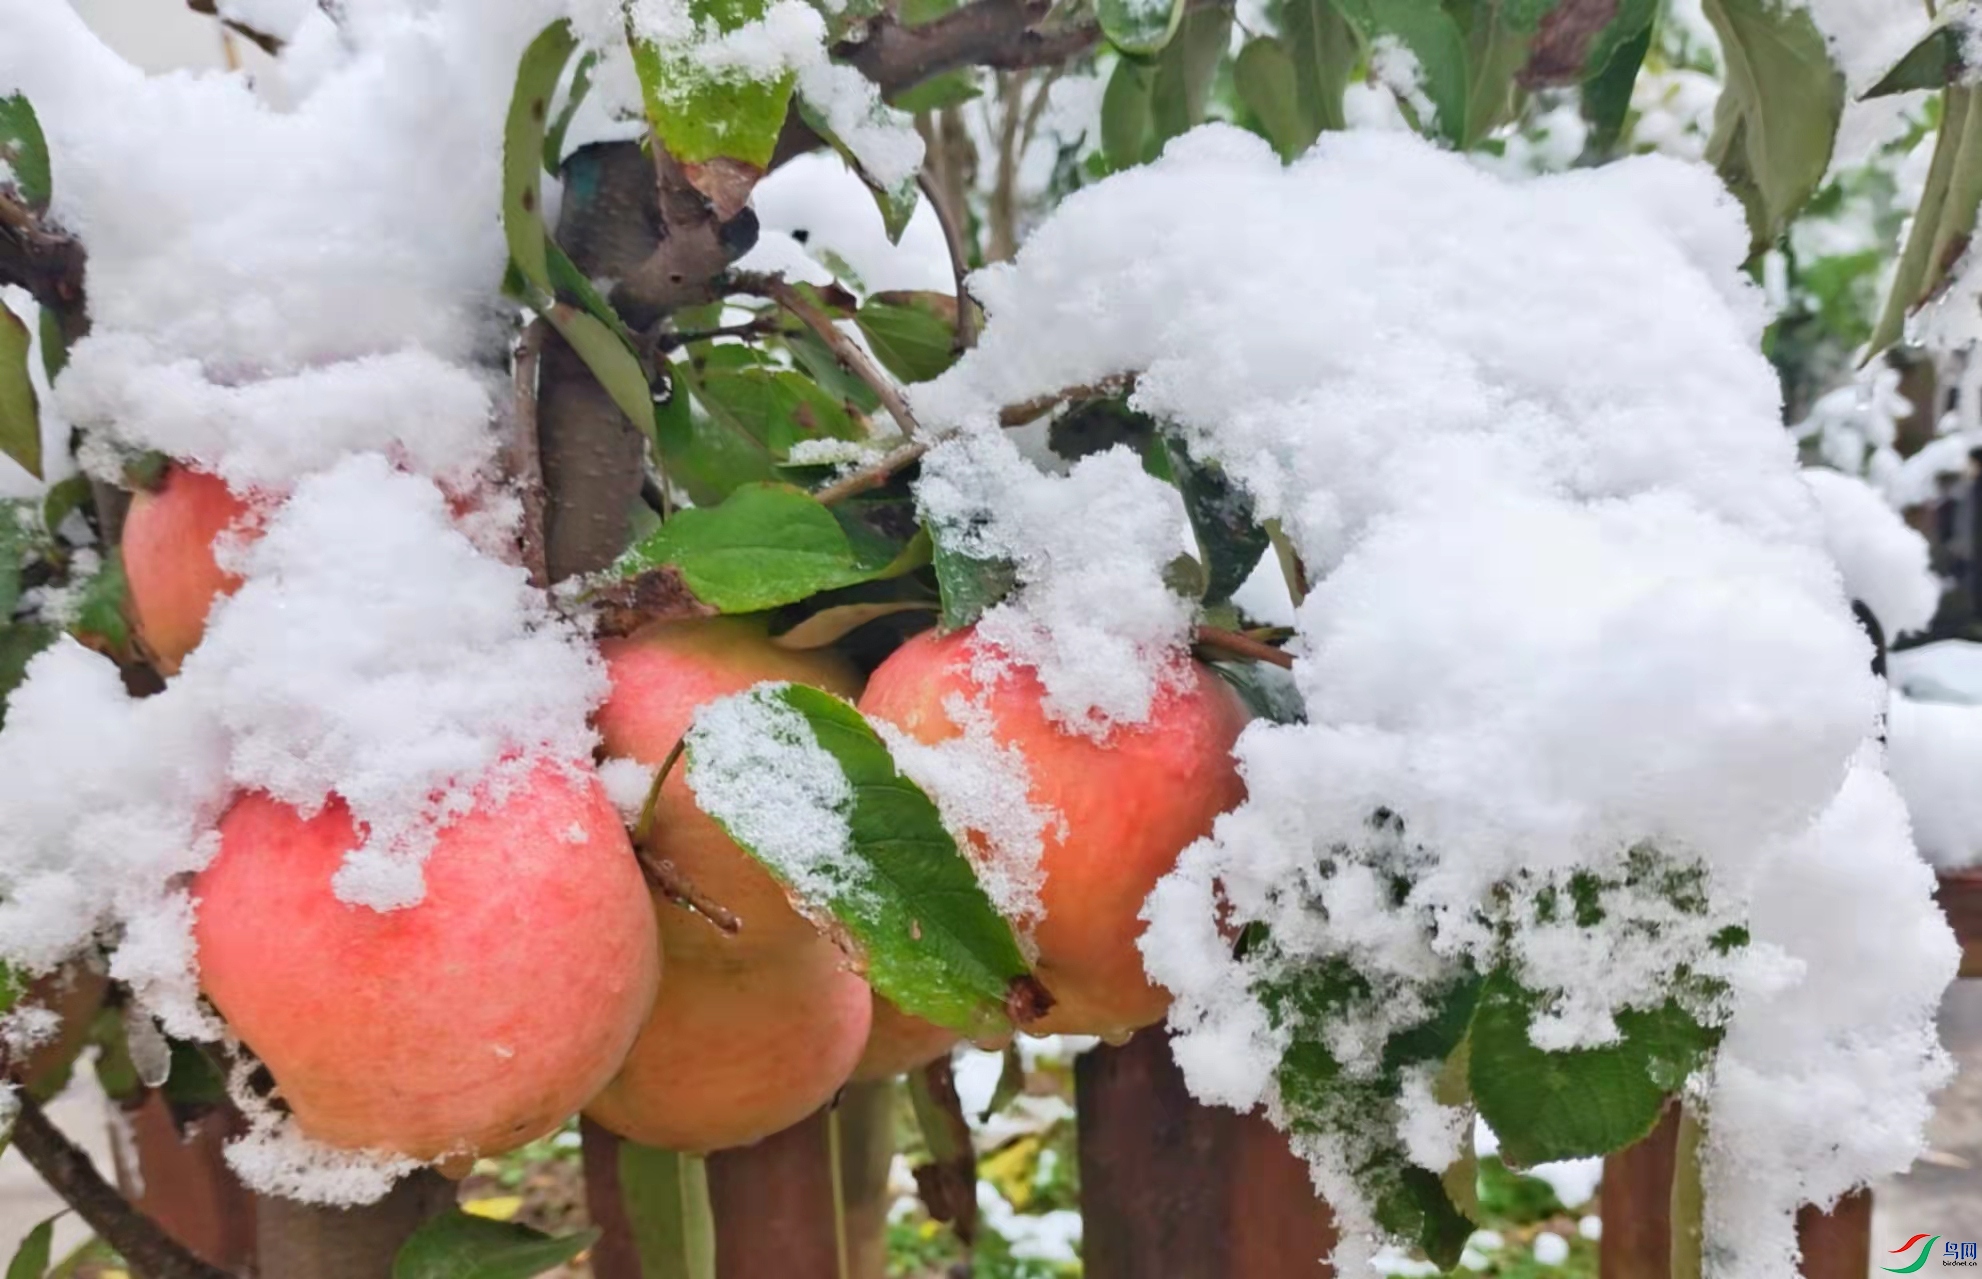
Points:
(1174, 1188)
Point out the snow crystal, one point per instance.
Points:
(1934, 753)
(1092, 615)
(756, 766)
(819, 207)
(1396, 67)
(1574, 1181)
(1883, 560)
(983, 791)
(1573, 613)
(1434, 1133)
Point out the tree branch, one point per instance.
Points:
(844, 348)
(261, 39)
(69, 1172)
(959, 255)
(873, 475)
(526, 461)
(46, 263)
(992, 33)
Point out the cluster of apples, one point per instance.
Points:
(540, 976)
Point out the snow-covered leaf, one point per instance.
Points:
(458, 1245)
(1584, 1101)
(1230, 541)
(1139, 26)
(1936, 60)
(1942, 223)
(1778, 112)
(896, 201)
(766, 545)
(969, 585)
(702, 113)
(781, 765)
(24, 152)
(1436, 46)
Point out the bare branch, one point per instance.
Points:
(262, 39)
(1002, 34)
(844, 348)
(70, 1174)
(1040, 405)
(873, 475)
(47, 263)
(959, 255)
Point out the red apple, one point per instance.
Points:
(1130, 805)
(470, 1023)
(169, 562)
(753, 1031)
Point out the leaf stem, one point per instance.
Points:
(839, 1192)
(1688, 1197)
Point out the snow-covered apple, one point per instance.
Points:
(470, 1023)
(1127, 805)
(169, 560)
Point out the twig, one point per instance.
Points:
(526, 462)
(666, 875)
(754, 328)
(1242, 645)
(266, 42)
(873, 475)
(70, 1174)
(1040, 405)
(848, 352)
(946, 217)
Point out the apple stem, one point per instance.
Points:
(666, 875)
(1238, 644)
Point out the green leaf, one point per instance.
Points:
(1778, 112)
(31, 1258)
(766, 545)
(1184, 72)
(458, 1245)
(19, 642)
(706, 455)
(1268, 84)
(778, 407)
(1935, 61)
(606, 354)
(1324, 49)
(20, 411)
(523, 151)
(913, 335)
(1585, 1101)
(63, 499)
(1125, 120)
(667, 1201)
(951, 89)
(194, 1080)
(1944, 219)
(20, 541)
(100, 617)
(902, 891)
(581, 85)
(702, 115)
(968, 585)
(54, 347)
(24, 150)
(1139, 26)
(1607, 92)
(1230, 541)
(1435, 40)
(830, 625)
